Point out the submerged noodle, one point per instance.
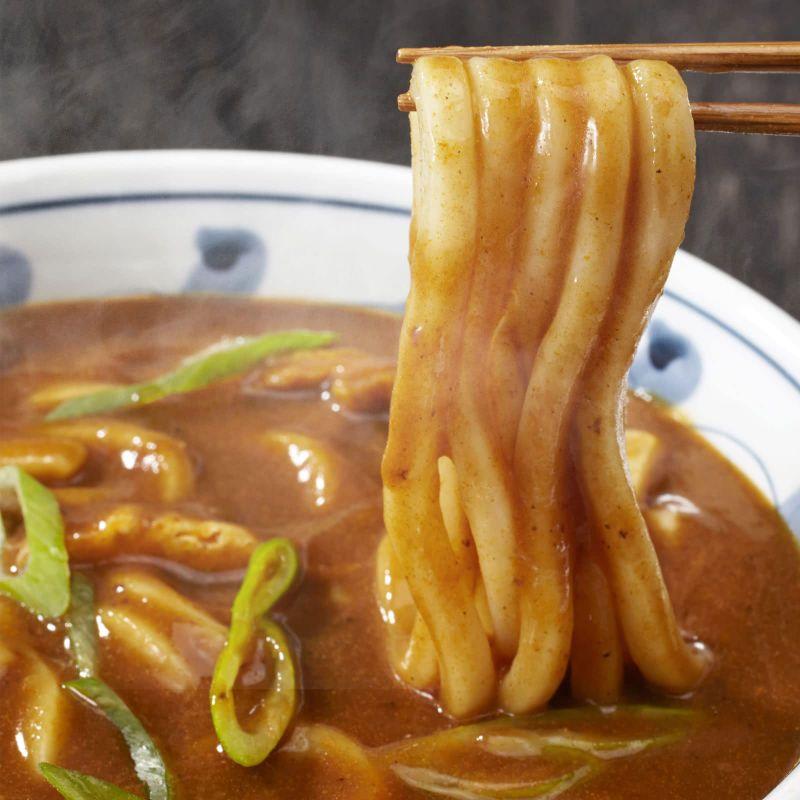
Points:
(549, 199)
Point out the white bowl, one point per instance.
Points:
(284, 225)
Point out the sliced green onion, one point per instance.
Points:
(440, 783)
(270, 573)
(82, 626)
(147, 760)
(212, 364)
(545, 737)
(540, 724)
(528, 744)
(43, 585)
(77, 786)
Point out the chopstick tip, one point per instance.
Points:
(405, 102)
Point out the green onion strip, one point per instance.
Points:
(433, 782)
(43, 585)
(82, 626)
(147, 761)
(73, 785)
(219, 361)
(269, 575)
(577, 755)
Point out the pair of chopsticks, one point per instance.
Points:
(775, 118)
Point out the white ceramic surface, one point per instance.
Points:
(331, 229)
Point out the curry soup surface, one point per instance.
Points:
(732, 568)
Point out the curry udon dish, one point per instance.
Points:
(231, 570)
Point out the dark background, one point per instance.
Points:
(320, 77)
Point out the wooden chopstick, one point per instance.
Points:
(707, 57)
(775, 118)
(771, 118)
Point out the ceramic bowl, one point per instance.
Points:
(285, 225)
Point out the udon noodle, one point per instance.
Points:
(549, 199)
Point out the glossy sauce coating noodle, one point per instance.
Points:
(549, 199)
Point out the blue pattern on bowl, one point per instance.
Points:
(233, 260)
(790, 510)
(16, 277)
(667, 364)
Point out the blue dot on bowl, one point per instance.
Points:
(232, 260)
(15, 277)
(667, 364)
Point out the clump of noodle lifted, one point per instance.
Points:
(549, 199)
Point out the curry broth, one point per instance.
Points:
(732, 569)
